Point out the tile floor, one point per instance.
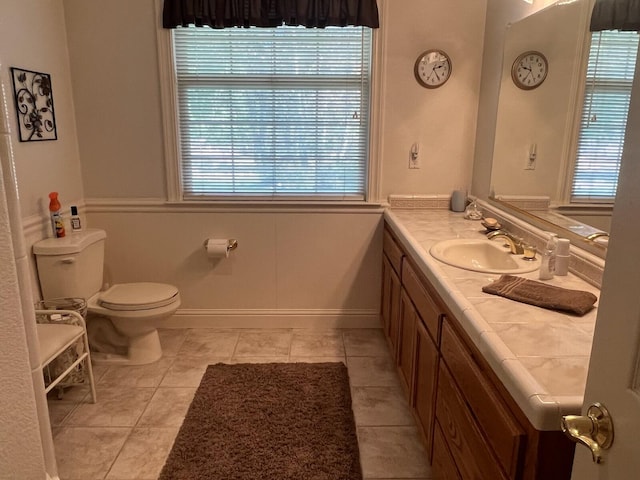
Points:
(129, 432)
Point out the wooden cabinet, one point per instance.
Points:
(390, 309)
(462, 434)
(501, 431)
(444, 466)
(428, 306)
(471, 426)
(390, 306)
(425, 375)
(406, 342)
(420, 337)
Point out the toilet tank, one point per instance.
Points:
(71, 266)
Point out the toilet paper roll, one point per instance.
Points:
(217, 248)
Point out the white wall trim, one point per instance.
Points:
(170, 130)
(376, 124)
(158, 205)
(37, 223)
(574, 121)
(605, 210)
(33, 224)
(266, 318)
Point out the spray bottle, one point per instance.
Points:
(547, 265)
(56, 215)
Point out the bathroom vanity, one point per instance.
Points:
(487, 379)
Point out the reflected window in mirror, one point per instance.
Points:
(609, 79)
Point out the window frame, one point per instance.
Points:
(567, 188)
(171, 131)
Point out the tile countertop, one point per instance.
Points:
(540, 355)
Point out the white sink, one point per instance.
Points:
(480, 255)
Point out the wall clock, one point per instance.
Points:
(432, 68)
(529, 70)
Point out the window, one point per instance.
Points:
(610, 73)
(278, 112)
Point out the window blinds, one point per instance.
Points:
(610, 73)
(273, 112)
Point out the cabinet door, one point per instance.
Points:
(394, 312)
(473, 457)
(422, 299)
(443, 467)
(406, 341)
(385, 307)
(390, 309)
(500, 429)
(425, 379)
(392, 250)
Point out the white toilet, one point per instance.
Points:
(121, 320)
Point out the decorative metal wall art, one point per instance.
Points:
(34, 105)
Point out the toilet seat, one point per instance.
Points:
(137, 296)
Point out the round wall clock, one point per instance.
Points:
(432, 68)
(529, 70)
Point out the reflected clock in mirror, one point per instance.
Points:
(529, 70)
(545, 116)
(432, 68)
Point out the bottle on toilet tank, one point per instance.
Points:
(55, 210)
(76, 224)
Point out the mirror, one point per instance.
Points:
(535, 128)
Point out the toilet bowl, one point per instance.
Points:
(121, 320)
(134, 311)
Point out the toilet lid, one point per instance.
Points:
(138, 296)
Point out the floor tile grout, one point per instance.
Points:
(378, 390)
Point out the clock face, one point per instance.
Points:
(529, 70)
(432, 68)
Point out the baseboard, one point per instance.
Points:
(264, 318)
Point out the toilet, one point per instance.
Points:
(121, 320)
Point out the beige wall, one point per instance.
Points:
(117, 94)
(32, 36)
(543, 116)
(499, 14)
(117, 97)
(288, 261)
(323, 265)
(443, 120)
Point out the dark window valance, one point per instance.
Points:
(616, 15)
(269, 13)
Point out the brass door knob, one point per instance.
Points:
(595, 430)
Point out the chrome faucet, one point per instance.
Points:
(595, 235)
(514, 243)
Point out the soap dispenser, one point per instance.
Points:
(547, 265)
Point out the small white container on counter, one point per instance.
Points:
(562, 256)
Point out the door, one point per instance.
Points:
(614, 370)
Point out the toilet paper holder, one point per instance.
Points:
(232, 244)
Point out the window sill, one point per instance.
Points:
(228, 206)
(594, 208)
